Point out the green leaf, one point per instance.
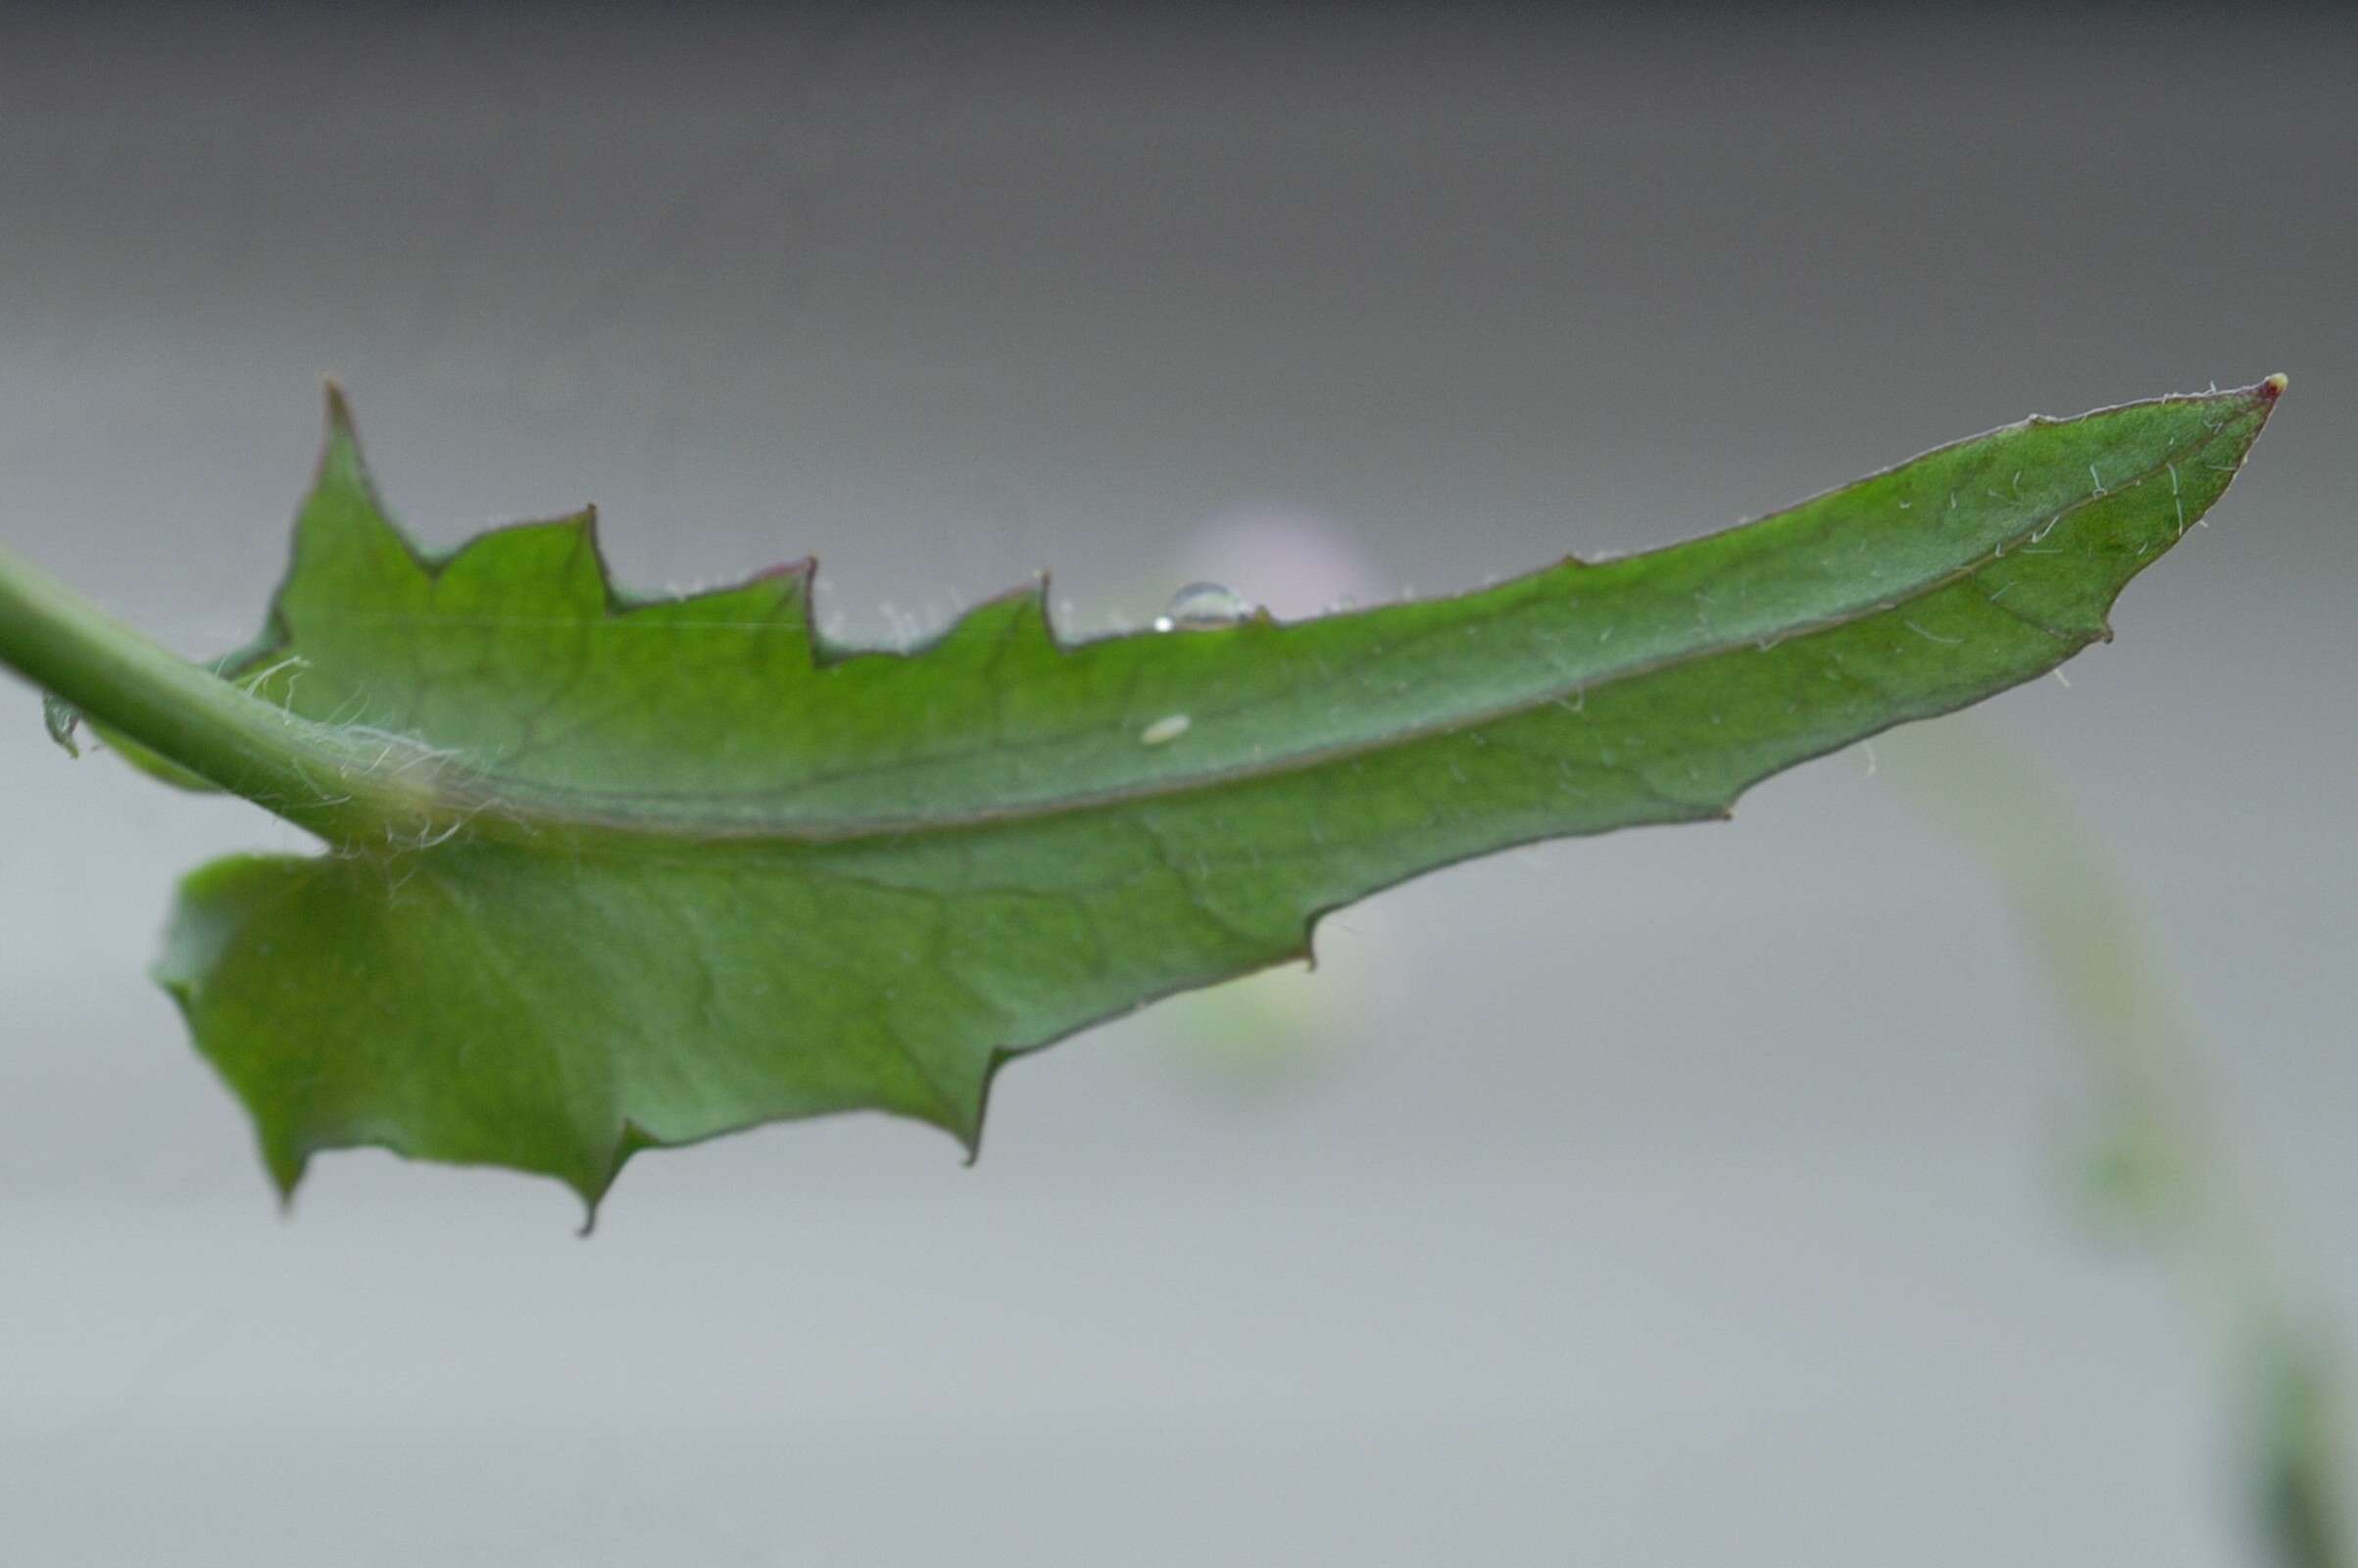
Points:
(608, 873)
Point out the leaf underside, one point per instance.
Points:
(680, 866)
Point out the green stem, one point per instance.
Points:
(185, 714)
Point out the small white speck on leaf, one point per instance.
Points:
(1165, 730)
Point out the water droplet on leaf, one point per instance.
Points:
(1203, 606)
(62, 718)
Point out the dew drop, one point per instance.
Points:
(1203, 606)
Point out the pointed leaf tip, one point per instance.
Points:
(339, 408)
(341, 457)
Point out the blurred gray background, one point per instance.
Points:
(1675, 1197)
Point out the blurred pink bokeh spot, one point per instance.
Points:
(1294, 562)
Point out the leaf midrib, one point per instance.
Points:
(516, 815)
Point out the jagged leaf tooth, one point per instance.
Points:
(609, 874)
